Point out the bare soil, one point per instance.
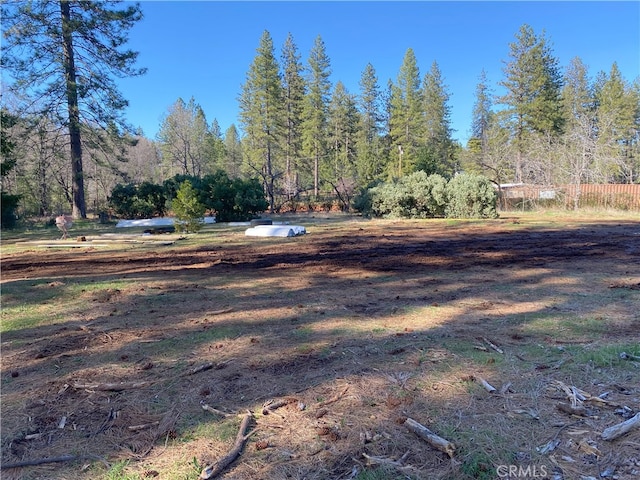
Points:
(359, 325)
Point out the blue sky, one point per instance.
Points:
(203, 49)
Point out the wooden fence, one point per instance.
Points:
(616, 196)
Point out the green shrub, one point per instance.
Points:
(415, 196)
(138, 201)
(232, 200)
(471, 196)
(9, 205)
(187, 208)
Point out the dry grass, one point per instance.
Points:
(359, 324)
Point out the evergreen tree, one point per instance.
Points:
(343, 128)
(481, 119)
(64, 54)
(405, 115)
(316, 109)
(183, 139)
(233, 153)
(619, 124)
(533, 83)
(293, 95)
(369, 149)
(215, 155)
(437, 154)
(261, 114)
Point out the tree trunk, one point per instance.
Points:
(79, 207)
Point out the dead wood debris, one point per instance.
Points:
(217, 468)
(431, 438)
(486, 385)
(492, 345)
(271, 405)
(39, 461)
(215, 411)
(333, 399)
(111, 387)
(620, 429)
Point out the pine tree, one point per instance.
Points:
(293, 96)
(233, 152)
(533, 83)
(183, 139)
(619, 123)
(481, 118)
(369, 151)
(261, 114)
(405, 114)
(343, 129)
(316, 109)
(437, 156)
(65, 54)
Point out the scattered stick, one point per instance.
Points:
(372, 460)
(487, 386)
(620, 429)
(200, 368)
(39, 461)
(214, 470)
(215, 411)
(271, 405)
(577, 396)
(135, 428)
(431, 438)
(333, 399)
(220, 312)
(492, 345)
(111, 387)
(578, 410)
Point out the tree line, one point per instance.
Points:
(305, 138)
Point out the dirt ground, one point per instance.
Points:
(350, 330)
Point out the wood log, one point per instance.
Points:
(620, 429)
(493, 345)
(111, 387)
(217, 468)
(39, 461)
(487, 386)
(431, 438)
(333, 399)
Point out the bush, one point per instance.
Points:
(232, 200)
(187, 208)
(415, 196)
(9, 205)
(471, 196)
(142, 201)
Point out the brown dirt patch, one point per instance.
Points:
(389, 319)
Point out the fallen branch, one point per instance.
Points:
(372, 460)
(214, 470)
(487, 386)
(492, 345)
(431, 438)
(111, 387)
(144, 426)
(40, 461)
(215, 411)
(333, 399)
(576, 396)
(200, 368)
(271, 405)
(620, 429)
